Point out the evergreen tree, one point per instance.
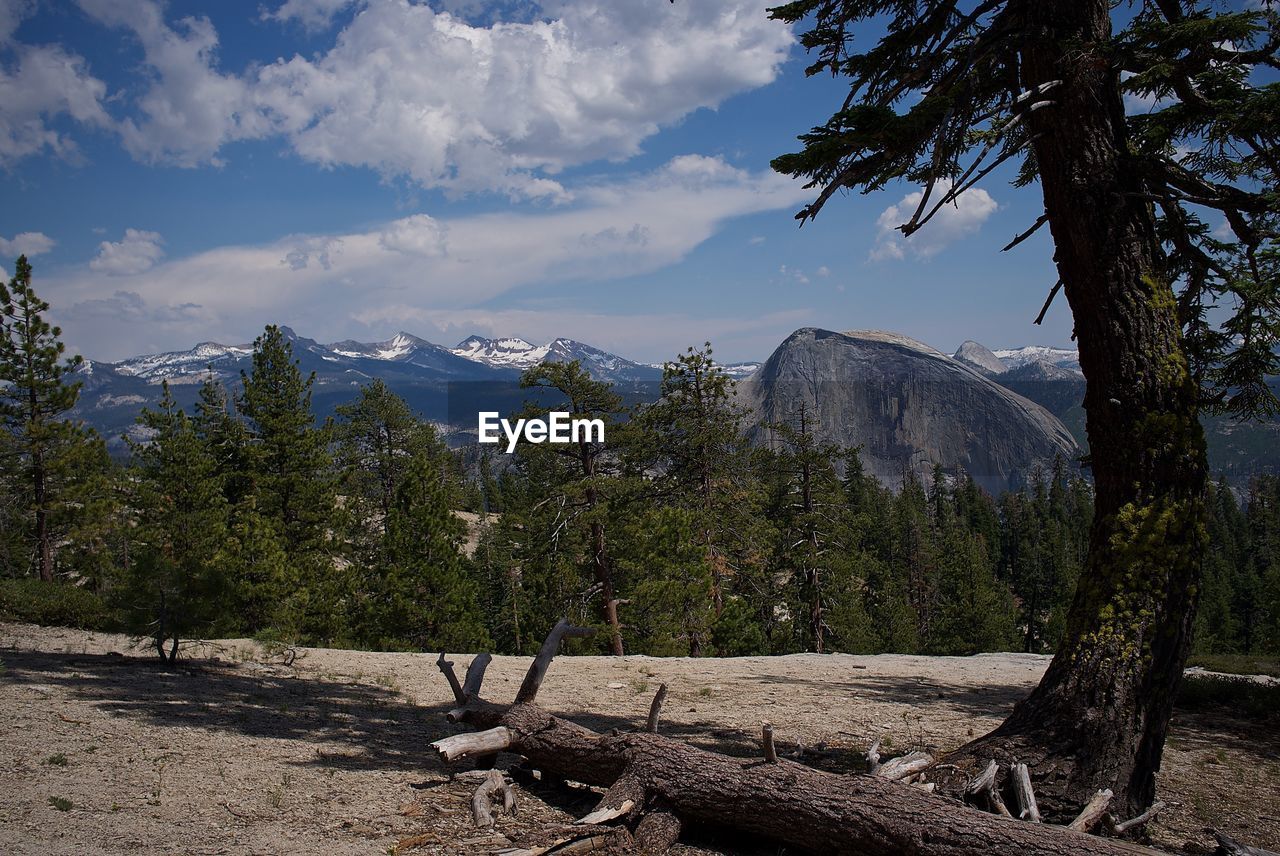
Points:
(293, 484)
(428, 598)
(35, 392)
(943, 96)
(176, 586)
(694, 440)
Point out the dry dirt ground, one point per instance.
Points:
(237, 752)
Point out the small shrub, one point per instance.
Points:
(58, 760)
(60, 803)
(52, 605)
(1242, 696)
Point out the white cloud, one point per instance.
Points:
(823, 271)
(26, 243)
(411, 91)
(953, 221)
(319, 282)
(312, 14)
(138, 252)
(44, 83)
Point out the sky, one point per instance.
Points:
(191, 171)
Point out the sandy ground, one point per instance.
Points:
(237, 752)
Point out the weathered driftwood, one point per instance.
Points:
(493, 788)
(656, 783)
(1027, 808)
(904, 766)
(1091, 815)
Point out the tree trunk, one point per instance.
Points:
(44, 544)
(1098, 717)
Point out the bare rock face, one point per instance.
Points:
(979, 357)
(907, 405)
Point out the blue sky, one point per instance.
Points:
(189, 171)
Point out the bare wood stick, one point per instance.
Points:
(475, 677)
(1140, 820)
(478, 743)
(766, 740)
(655, 708)
(538, 669)
(983, 781)
(1040, 221)
(904, 766)
(1027, 808)
(1092, 813)
(492, 788)
(1053, 292)
(608, 813)
(447, 668)
(873, 756)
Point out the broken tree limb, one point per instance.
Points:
(1140, 820)
(487, 742)
(1027, 808)
(986, 785)
(475, 677)
(873, 757)
(658, 831)
(493, 788)
(655, 708)
(766, 744)
(785, 801)
(446, 668)
(904, 766)
(1091, 815)
(538, 669)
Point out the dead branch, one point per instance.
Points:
(655, 708)
(446, 668)
(1092, 813)
(766, 743)
(476, 743)
(904, 766)
(475, 677)
(873, 757)
(1040, 221)
(1140, 820)
(1027, 808)
(651, 776)
(494, 787)
(538, 669)
(1053, 292)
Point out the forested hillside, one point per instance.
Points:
(676, 536)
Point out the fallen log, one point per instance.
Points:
(655, 784)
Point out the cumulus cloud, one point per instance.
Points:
(136, 253)
(42, 84)
(952, 222)
(26, 244)
(411, 91)
(319, 282)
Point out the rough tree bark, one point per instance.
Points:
(655, 783)
(1099, 716)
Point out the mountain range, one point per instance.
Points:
(898, 398)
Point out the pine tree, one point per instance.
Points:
(176, 586)
(943, 95)
(293, 485)
(35, 392)
(428, 598)
(693, 438)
